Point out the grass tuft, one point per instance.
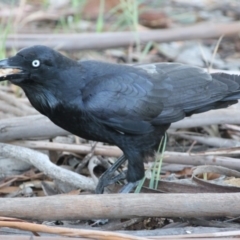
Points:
(156, 168)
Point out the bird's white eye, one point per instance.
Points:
(36, 63)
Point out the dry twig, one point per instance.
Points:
(42, 162)
(169, 157)
(91, 234)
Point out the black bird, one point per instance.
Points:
(129, 106)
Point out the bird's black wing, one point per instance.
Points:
(144, 96)
(126, 100)
(195, 91)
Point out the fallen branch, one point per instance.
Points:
(196, 160)
(223, 151)
(91, 234)
(115, 206)
(30, 127)
(9, 109)
(112, 151)
(210, 141)
(100, 41)
(221, 116)
(42, 162)
(181, 232)
(12, 100)
(215, 235)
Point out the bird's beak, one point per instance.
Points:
(10, 72)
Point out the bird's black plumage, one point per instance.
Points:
(129, 106)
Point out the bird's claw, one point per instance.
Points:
(108, 176)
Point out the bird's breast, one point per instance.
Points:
(78, 122)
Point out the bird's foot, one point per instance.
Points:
(107, 180)
(127, 188)
(108, 177)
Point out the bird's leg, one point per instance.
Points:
(107, 178)
(120, 176)
(127, 188)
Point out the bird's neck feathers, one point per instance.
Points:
(49, 100)
(47, 94)
(44, 101)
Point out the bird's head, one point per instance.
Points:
(37, 64)
(45, 76)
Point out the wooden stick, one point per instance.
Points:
(196, 160)
(210, 141)
(12, 100)
(91, 234)
(221, 116)
(20, 236)
(101, 41)
(36, 126)
(110, 151)
(169, 157)
(9, 109)
(42, 162)
(115, 206)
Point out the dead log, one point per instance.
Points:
(115, 206)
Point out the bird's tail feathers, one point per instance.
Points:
(233, 83)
